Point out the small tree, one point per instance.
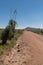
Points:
(8, 33)
(12, 25)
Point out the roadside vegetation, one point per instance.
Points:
(9, 36)
(38, 31)
(12, 42)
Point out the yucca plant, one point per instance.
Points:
(8, 33)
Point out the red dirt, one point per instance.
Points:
(28, 50)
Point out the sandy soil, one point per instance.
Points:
(28, 51)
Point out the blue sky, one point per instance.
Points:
(29, 13)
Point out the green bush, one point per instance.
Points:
(5, 35)
(8, 33)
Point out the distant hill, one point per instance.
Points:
(36, 30)
(30, 28)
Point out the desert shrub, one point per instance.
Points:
(0, 33)
(41, 31)
(8, 33)
(5, 35)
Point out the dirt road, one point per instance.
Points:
(28, 51)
